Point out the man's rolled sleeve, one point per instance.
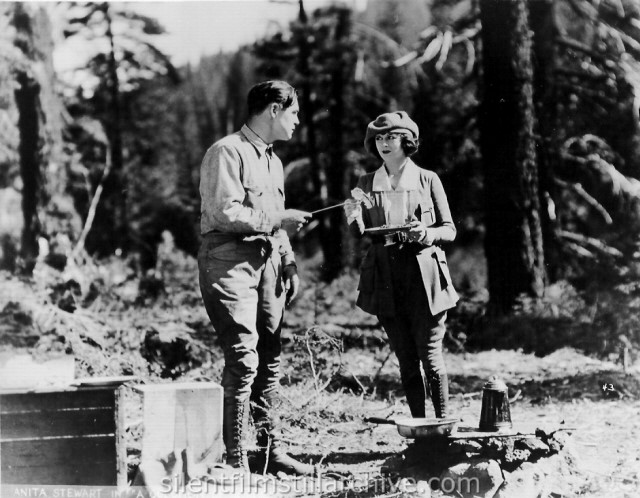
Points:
(223, 195)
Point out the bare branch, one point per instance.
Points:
(471, 57)
(405, 59)
(428, 32)
(588, 93)
(432, 49)
(628, 42)
(93, 207)
(584, 9)
(617, 7)
(596, 75)
(444, 51)
(621, 185)
(580, 47)
(590, 242)
(467, 34)
(578, 189)
(379, 35)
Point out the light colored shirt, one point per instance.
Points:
(395, 200)
(241, 188)
(426, 201)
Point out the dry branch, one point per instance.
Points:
(471, 57)
(580, 47)
(590, 242)
(588, 93)
(589, 199)
(621, 186)
(94, 206)
(444, 51)
(592, 13)
(596, 75)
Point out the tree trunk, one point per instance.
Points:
(27, 100)
(308, 108)
(45, 207)
(513, 244)
(546, 98)
(334, 232)
(115, 185)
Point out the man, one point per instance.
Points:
(247, 268)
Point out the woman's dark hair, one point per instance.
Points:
(409, 146)
(270, 92)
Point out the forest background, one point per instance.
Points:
(528, 111)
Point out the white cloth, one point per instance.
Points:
(395, 200)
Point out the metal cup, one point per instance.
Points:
(495, 414)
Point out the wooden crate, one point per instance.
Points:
(180, 420)
(66, 436)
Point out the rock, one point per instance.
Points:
(171, 352)
(562, 473)
(495, 448)
(525, 482)
(414, 488)
(515, 456)
(478, 477)
(533, 444)
(464, 446)
(66, 295)
(60, 248)
(554, 476)
(18, 327)
(150, 287)
(395, 463)
(497, 444)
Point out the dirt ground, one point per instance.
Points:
(337, 370)
(562, 389)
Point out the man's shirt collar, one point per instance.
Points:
(259, 144)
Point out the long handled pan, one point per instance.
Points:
(416, 428)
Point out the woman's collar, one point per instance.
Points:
(409, 178)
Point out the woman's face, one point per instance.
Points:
(389, 146)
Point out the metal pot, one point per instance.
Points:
(495, 414)
(418, 428)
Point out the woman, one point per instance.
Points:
(405, 281)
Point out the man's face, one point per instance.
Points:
(286, 121)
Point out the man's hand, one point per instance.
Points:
(291, 282)
(293, 219)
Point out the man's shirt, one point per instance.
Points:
(241, 187)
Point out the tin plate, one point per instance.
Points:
(387, 229)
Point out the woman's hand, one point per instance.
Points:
(417, 232)
(353, 210)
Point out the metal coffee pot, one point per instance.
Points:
(495, 414)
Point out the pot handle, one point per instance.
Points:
(380, 420)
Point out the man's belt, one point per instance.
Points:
(217, 237)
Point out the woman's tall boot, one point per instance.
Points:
(439, 389)
(415, 392)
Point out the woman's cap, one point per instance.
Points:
(399, 120)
